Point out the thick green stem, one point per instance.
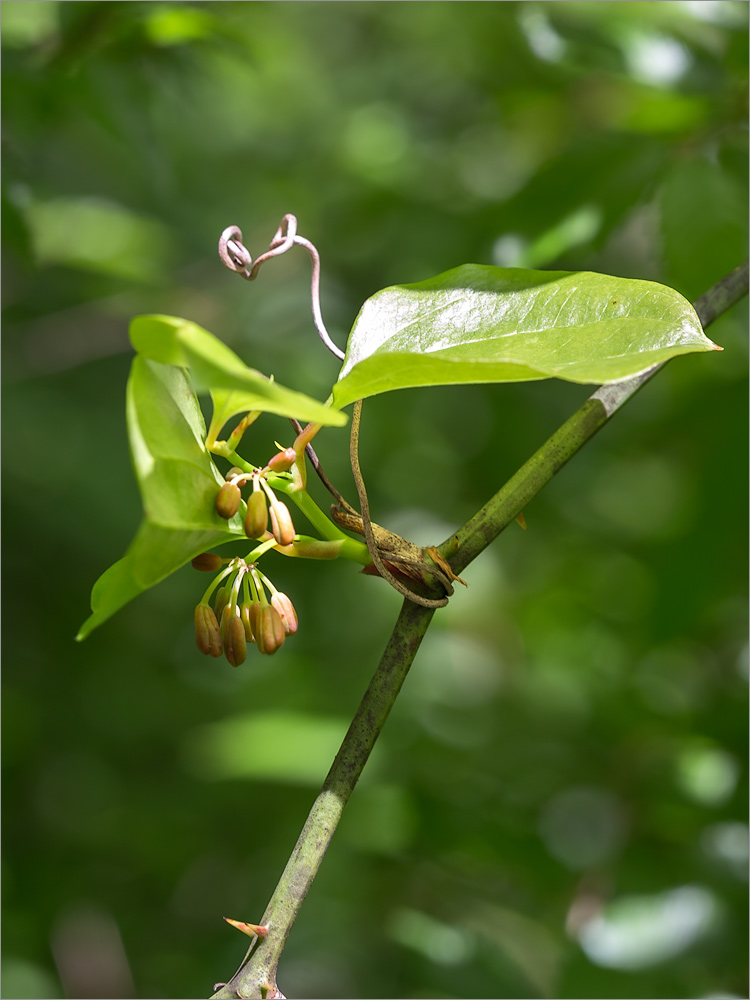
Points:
(257, 978)
(325, 814)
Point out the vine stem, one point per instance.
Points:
(256, 977)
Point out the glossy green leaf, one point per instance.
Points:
(489, 324)
(215, 367)
(178, 482)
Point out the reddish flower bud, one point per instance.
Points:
(207, 632)
(256, 518)
(207, 562)
(282, 525)
(235, 642)
(228, 501)
(267, 626)
(283, 460)
(286, 612)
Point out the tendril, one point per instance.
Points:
(372, 546)
(235, 255)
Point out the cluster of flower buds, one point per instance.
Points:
(262, 502)
(241, 611)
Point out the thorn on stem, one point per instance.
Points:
(252, 930)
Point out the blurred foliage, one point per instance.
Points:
(557, 806)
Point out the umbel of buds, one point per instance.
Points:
(257, 514)
(241, 612)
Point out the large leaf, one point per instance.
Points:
(215, 367)
(178, 482)
(490, 324)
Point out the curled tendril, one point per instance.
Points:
(236, 257)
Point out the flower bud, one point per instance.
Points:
(234, 471)
(207, 632)
(286, 612)
(226, 613)
(245, 618)
(256, 518)
(282, 525)
(221, 600)
(267, 627)
(283, 460)
(235, 642)
(207, 562)
(228, 501)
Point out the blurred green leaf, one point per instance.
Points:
(94, 234)
(489, 324)
(28, 23)
(269, 746)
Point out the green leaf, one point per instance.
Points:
(489, 324)
(215, 367)
(178, 482)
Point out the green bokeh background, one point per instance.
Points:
(557, 806)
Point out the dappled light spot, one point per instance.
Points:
(543, 40)
(635, 932)
(656, 58)
(177, 24)
(727, 843)
(707, 774)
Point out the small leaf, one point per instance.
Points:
(176, 475)
(215, 367)
(489, 324)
